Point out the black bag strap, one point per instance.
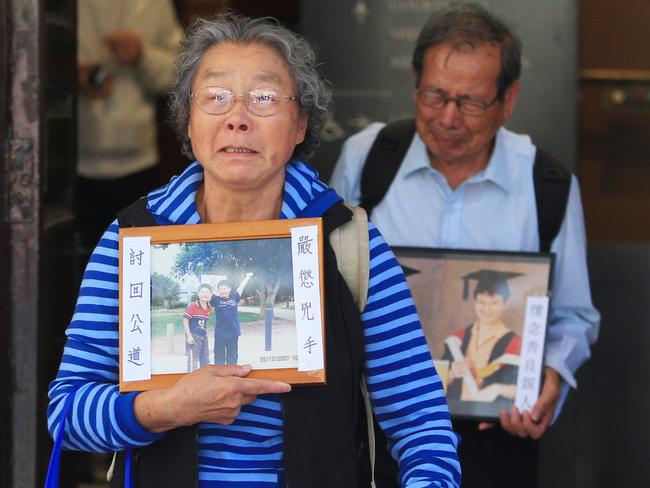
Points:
(178, 447)
(136, 215)
(383, 161)
(551, 179)
(552, 184)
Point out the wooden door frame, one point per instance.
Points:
(21, 134)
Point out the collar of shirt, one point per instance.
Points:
(175, 203)
(497, 170)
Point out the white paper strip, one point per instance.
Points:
(532, 353)
(136, 308)
(306, 290)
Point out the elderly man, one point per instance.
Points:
(461, 180)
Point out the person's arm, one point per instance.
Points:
(151, 51)
(102, 419)
(244, 282)
(188, 333)
(573, 324)
(406, 393)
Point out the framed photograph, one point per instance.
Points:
(484, 315)
(235, 293)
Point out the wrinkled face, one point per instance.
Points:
(449, 135)
(239, 149)
(489, 308)
(223, 291)
(204, 294)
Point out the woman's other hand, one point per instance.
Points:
(213, 394)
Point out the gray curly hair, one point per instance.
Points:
(312, 90)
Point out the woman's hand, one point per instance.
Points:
(213, 394)
(459, 368)
(189, 339)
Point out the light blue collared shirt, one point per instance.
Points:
(494, 209)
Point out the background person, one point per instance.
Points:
(126, 55)
(250, 104)
(195, 321)
(461, 171)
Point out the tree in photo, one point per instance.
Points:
(268, 259)
(164, 291)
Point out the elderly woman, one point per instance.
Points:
(249, 105)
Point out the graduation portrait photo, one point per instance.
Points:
(484, 315)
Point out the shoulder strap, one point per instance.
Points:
(383, 161)
(552, 184)
(352, 249)
(136, 215)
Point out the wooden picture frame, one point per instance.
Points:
(238, 246)
(455, 291)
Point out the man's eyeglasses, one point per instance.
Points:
(438, 99)
(215, 100)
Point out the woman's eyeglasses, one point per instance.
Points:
(215, 100)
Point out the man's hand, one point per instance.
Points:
(535, 423)
(212, 394)
(125, 46)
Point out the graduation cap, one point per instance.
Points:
(489, 280)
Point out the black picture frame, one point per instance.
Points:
(447, 307)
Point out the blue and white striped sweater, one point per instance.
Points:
(406, 394)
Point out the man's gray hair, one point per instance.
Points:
(466, 27)
(314, 95)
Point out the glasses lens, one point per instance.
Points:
(472, 107)
(213, 99)
(430, 98)
(263, 102)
